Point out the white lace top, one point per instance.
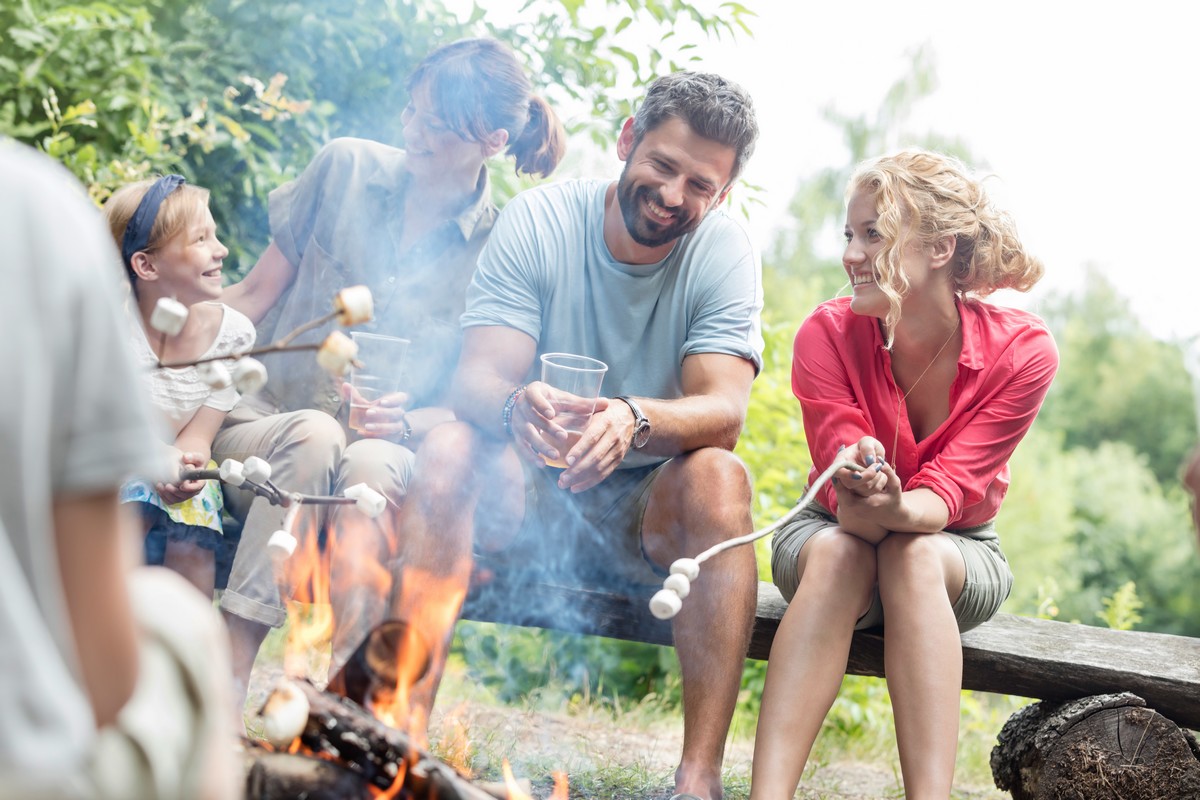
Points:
(179, 393)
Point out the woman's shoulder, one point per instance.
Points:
(1005, 328)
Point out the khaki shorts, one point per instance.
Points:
(989, 579)
(592, 538)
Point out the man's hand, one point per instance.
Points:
(383, 419)
(600, 450)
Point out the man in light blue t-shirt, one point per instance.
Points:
(648, 275)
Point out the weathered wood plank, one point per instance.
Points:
(1014, 655)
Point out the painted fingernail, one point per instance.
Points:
(857, 476)
(870, 460)
(841, 447)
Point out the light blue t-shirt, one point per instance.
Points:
(547, 272)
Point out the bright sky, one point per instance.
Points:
(1085, 111)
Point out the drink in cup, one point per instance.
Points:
(575, 381)
(382, 359)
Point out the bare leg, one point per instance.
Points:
(195, 563)
(436, 529)
(808, 657)
(700, 499)
(245, 638)
(361, 549)
(920, 576)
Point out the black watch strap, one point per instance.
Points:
(641, 425)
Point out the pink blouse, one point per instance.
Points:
(842, 376)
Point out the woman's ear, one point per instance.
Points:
(143, 268)
(942, 250)
(494, 142)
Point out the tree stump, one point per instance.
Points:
(1105, 746)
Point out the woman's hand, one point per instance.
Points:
(383, 419)
(177, 492)
(867, 452)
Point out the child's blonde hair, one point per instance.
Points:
(179, 210)
(922, 196)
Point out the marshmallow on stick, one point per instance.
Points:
(668, 601)
(336, 353)
(169, 316)
(249, 375)
(354, 305)
(368, 501)
(215, 374)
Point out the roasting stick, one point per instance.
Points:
(668, 600)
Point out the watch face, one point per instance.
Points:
(641, 433)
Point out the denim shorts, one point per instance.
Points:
(988, 583)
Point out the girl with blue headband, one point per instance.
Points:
(170, 248)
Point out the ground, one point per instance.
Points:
(629, 756)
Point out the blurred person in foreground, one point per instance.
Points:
(930, 390)
(113, 684)
(408, 224)
(648, 275)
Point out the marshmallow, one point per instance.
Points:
(257, 470)
(249, 375)
(281, 544)
(169, 316)
(231, 472)
(688, 567)
(336, 353)
(284, 715)
(354, 305)
(368, 501)
(665, 604)
(215, 374)
(679, 584)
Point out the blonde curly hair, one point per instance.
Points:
(921, 196)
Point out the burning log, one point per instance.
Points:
(339, 729)
(272, 776)
(1101, 746)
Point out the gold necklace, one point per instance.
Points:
(903, 397)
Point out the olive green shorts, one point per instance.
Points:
(989, 579)
(591, 538)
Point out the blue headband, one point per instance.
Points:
(137, 232)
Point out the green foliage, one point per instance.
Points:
(119, 92)
(1116, 382)
(563, 669)
(1121, 610)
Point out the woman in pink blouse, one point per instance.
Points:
(929, 389)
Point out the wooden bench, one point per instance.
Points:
(1014, 655)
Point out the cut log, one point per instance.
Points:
(1103, 746)
(341, 730)
(1015, 655)
(282, 776)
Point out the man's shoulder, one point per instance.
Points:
(563, 194)
(722, 228)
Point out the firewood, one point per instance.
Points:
(1099, 746)
(281, 776)
(342, 730)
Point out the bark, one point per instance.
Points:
(1101, 746)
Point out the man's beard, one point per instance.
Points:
(640, 229)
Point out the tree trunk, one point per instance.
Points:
(1095, 747)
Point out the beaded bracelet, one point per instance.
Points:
(509, 404)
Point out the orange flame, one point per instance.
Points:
(515, 792)
(310, 618)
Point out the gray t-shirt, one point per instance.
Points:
(340, 224)
(547, 272)
(73, 419)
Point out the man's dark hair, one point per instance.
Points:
(713, 107)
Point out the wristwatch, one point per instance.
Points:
(641, 425)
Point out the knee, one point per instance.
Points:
(384, 466)
(448, 458)
(712, 480)
(910, 556)
(314, 434)
(840, 559)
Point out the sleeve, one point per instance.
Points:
(505, 287)
(729, 317)
(295, 207)
(237, 335)
(832, 410)
(961, 473)
(106, 420)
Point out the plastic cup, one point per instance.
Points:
(382, 359)
(576, 383)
